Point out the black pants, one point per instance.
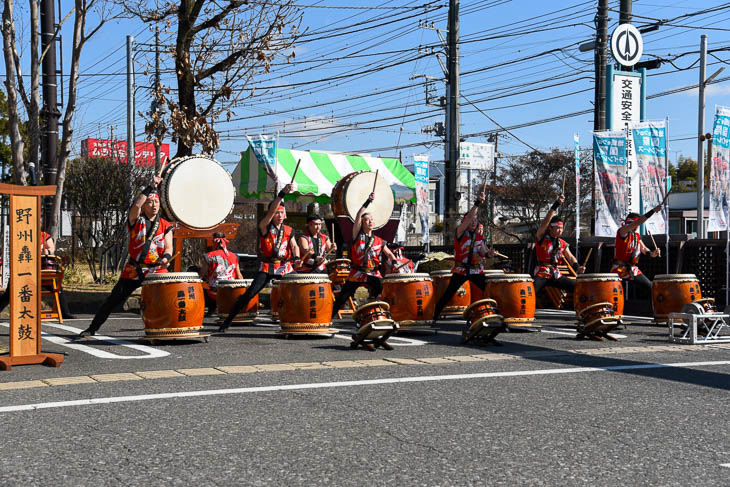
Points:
(375, 285)
(564, 283)
(642, 281)
(121, 291)
(456, 281)
(260, 280)
(65, 312)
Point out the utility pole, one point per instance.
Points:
(601, 21)
(50, 113)
(453, 119)
(625, 12)
(130, 100)
(492, 193)
(155, 101)
(700, 145)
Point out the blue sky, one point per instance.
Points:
(364, 88)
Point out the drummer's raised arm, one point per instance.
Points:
(139, 201)
(264, 223)
(357, 224)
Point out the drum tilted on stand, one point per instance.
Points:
(411, 299)
(305, 304)
(670, 292)
(227, 292)
(172, 305)
(461, 299)
(351, 191)
(598, 288)
(196, 191)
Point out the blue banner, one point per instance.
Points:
(719, 171)
(423, 206)
(650, 153)
(264, 148)
(612, 198)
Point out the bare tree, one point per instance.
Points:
(10, 53)
(101, 192)
(219, 48)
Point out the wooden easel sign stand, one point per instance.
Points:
(25, 277)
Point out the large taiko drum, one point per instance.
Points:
(598, 288)
(670, 292)
(476, 293)
(338, 271)
(274, 299)
(305, 304)
(410, 297)
(172, 305)
(196, 191)
(461, 299)
(351, 191)
(228, 291)
(515, 297)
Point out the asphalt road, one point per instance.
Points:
(253, 408)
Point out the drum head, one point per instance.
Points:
(197, 191)
(357, 191)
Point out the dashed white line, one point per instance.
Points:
(355, 383)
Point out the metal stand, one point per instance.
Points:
(698, 329)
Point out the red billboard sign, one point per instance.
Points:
(144, 152)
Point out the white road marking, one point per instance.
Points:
(354, 383)
(149, 352)
(570, 332)
(396, 341)
(725, 465)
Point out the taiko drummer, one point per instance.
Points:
(366, 257)
(150, 247)
(469, 249)
(401, 264)
(279, 249)
(551, 250)
(222, 264)
(629, 248)
(316, 245)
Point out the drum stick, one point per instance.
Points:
(162, 166)
(295, 171)
(401, 265)
(585, 262)
(652, 238)
(375, 182)
(501, 255)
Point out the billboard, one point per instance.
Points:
(144, 152)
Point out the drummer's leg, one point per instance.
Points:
(456, 281)
(121, 291)
(643, 281)
(375, 286)
(480, 280)
(259, 282)
(348, 291)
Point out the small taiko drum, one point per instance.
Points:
(461, 299)
(274, 301)
(372, 313)
(228, 291)
(476, 293)
(305, 305)
(410, 297)
(482, 310)
(338, 271)
(598, 288)
(172, 305)
(670, 292)
(515, 297)
(597, 319)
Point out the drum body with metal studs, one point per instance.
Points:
(459, 301)
(410, 297)
(196, 191)
(352, 190)
(228, 291)
(598, 288)
(484, 310)
(338, 271)
(172, 305)
(305, 304)
(374, 312)
(476, 293)
(670, 292)
(515, 297)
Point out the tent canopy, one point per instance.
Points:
(318, 173)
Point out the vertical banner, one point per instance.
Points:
(576, 140)
(402, 231)
(25, 294)
(613, 200)
(719, 172)
(649, 158)
(423, 208)
(264, 148)
(6, 257)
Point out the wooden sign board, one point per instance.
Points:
(25, 277)
(229, 229)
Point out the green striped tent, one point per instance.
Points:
(318, 173)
